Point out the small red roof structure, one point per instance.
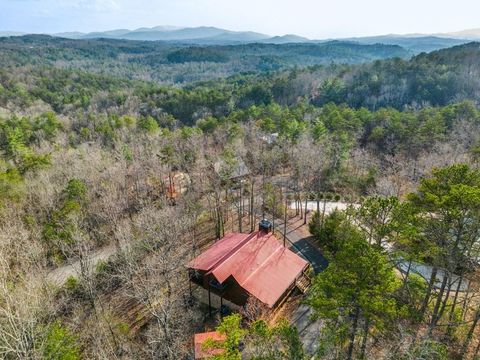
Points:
(200, 339)
(257, 262)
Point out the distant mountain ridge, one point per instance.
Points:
(208, 35)
(202, 34)
(470, 34)
(11, 33)
(415, 43)
(286, 39)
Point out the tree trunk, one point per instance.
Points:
(252, 218)
(296, 204)
(285, 223)
(217, 218)
(466, 344)
(323, 211)
(436, 309)
(431, 283)
(306, 203)
(240, 217)
(300, 207)
(452, 309)
(444, 303)
(227, 204)
(363, 348)
(274, 213)
(353, 333)
(477, 350)
(221, 221)
(405, 280)
(465, 301)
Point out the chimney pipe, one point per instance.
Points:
(265, 225)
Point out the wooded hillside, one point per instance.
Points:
(108, 189)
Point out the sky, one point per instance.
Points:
(316, 19)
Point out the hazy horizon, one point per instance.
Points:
(313, 19)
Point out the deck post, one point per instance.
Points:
(221, 305)
(209, 302)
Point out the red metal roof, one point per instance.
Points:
(258, 262)
(200, 339)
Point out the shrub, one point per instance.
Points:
(59, 344)
(148, 124)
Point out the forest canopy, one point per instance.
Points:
(117, 163)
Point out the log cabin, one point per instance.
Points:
(239, 266)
